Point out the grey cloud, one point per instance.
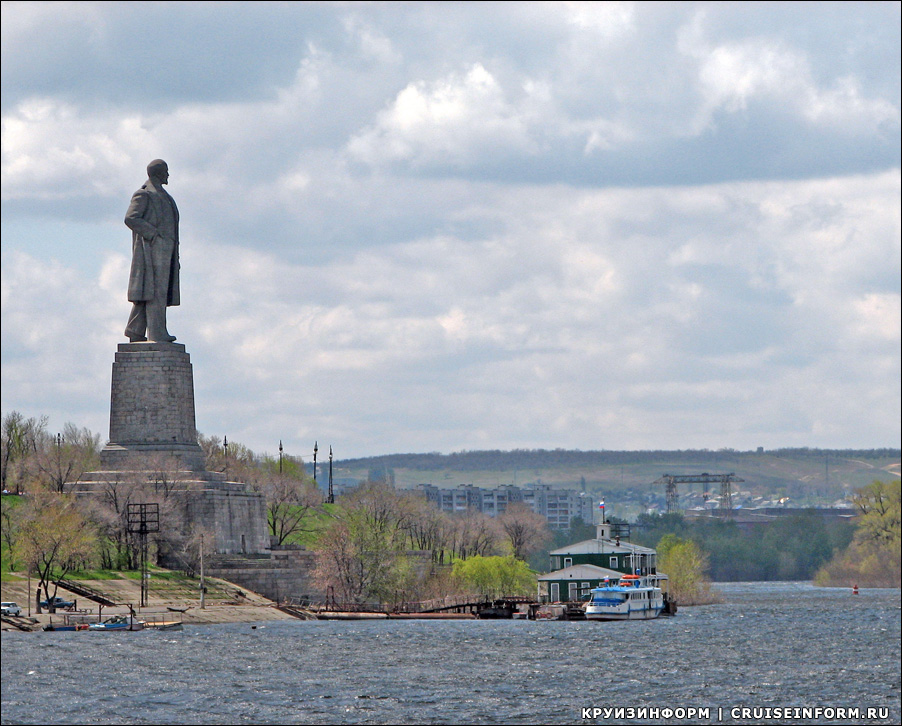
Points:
(568, 252)
(153, 57)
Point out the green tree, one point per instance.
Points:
(874, 557)
(686, 566)
(494, 577)
(54, 538)
(880, 507)
(788, 548)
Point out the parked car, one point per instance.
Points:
(58, 603)
(10, 608)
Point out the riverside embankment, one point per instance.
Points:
(168, 595)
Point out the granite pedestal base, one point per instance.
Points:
(152, 408)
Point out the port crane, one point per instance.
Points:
(726, 482)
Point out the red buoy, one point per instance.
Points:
(855, 589)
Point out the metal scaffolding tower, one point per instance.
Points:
(143, 519)
(726, 482)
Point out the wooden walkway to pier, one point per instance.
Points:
(451, 607)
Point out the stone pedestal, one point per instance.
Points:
(152, 407)
(153, 445)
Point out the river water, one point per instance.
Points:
(770, 645)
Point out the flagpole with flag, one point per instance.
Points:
(601, 509)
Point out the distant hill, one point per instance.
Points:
(544, 458)
(807, 477)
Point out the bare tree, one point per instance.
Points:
(429, 529)
(200, 542)
(525, 531)
(342, 570)
(234, 460)
(20, 439)
(474, 533)
(66, 457)
(364, 554)
(10, 519)
(290, 503)
(164, 475)
(153, 483)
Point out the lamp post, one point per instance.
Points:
(280, 457)
(59, 458)
(331, 498)
(225, 449)
(315, 449)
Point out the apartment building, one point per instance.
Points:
(558, 506)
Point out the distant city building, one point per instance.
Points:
(558, 506)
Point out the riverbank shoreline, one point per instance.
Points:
(233, 605)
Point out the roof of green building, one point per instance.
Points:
(581, 572)
(601, 547)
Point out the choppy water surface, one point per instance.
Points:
(769, 645)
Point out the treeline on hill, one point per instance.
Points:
(496, 460)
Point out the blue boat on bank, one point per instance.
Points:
(118, 622)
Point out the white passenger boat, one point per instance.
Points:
(633, 598)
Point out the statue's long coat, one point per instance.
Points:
(145, 215)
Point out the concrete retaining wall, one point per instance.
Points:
(285, 574)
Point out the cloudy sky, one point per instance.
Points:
(412, 227)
